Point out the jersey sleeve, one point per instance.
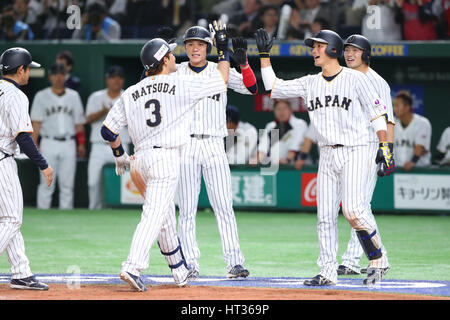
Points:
(444, 141)
(283, 89)
(116, 118)
(236, 83)
(385, 92)
(19, 119)
(370, 100)
(200, 88)
(92, 106)
(78, 109)
(37, 110)
(423, 136)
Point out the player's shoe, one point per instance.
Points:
(319, 280)
(29, 283)
(238, 271)
(194, 273)
(374, 276)
(182, 279)
(135, 282)
(383, 270)
(343, 270)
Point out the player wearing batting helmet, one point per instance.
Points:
(357, 52)
(341, 104)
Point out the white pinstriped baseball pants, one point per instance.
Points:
(354, 251)
(207, 157)
(11, 210)
(160, 170)
(343, 175)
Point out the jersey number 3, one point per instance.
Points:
(155, 118)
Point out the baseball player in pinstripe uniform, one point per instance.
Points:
(357, 56)
(158, 112)
(204, 154)
(15, 129)
(340, 100)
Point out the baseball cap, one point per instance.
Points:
(113, 71)
(58, 68)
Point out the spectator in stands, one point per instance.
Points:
(441, 9)
(240, 144)
(97, 25)
(388, 29)
(247, 20)
(227, 8)
(443, 149)
(12, 28)
(117, 9)
(293, 34)
(417, 19)
(307, 11)
(319, 24)
(412, 134)
(269, 16)
(26, 12)
(65, 58)
(291, 132)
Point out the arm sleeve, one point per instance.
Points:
(387, 99)
(19, 119)
(28, 147)
(236, 82)
(116, 118)
(368, 97)
(283, 89)
(423, 136)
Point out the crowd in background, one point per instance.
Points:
(378, 20)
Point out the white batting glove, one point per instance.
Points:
(122, 163)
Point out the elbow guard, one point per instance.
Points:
(107, 134)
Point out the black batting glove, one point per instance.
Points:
(385, 160)
(220, 35)
(264, 43)
(239, 54)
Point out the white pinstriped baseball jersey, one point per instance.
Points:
(336, 108)
(59, 114)
(14, 117)
(210, 113)
(158, 108)
(384, 92)
(444, 146)
(417, 132)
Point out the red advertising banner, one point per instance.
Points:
(264, 103)
(309, 182)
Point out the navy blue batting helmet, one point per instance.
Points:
(16, 57)
(334, 41)
(199, 33)
(362, 43)
(153, 52)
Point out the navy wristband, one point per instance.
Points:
(415, 159)
(117, 152)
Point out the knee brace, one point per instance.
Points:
(174, 258)
(369, 245)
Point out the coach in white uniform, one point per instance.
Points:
(58, 117)
(412, 134)
(240, 144)
(357, 55)
(98, 105)
(15, 129)
(158, 112)
(291, 132)
(204, 154)
(340, 100)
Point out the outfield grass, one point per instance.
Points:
(274, 244)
